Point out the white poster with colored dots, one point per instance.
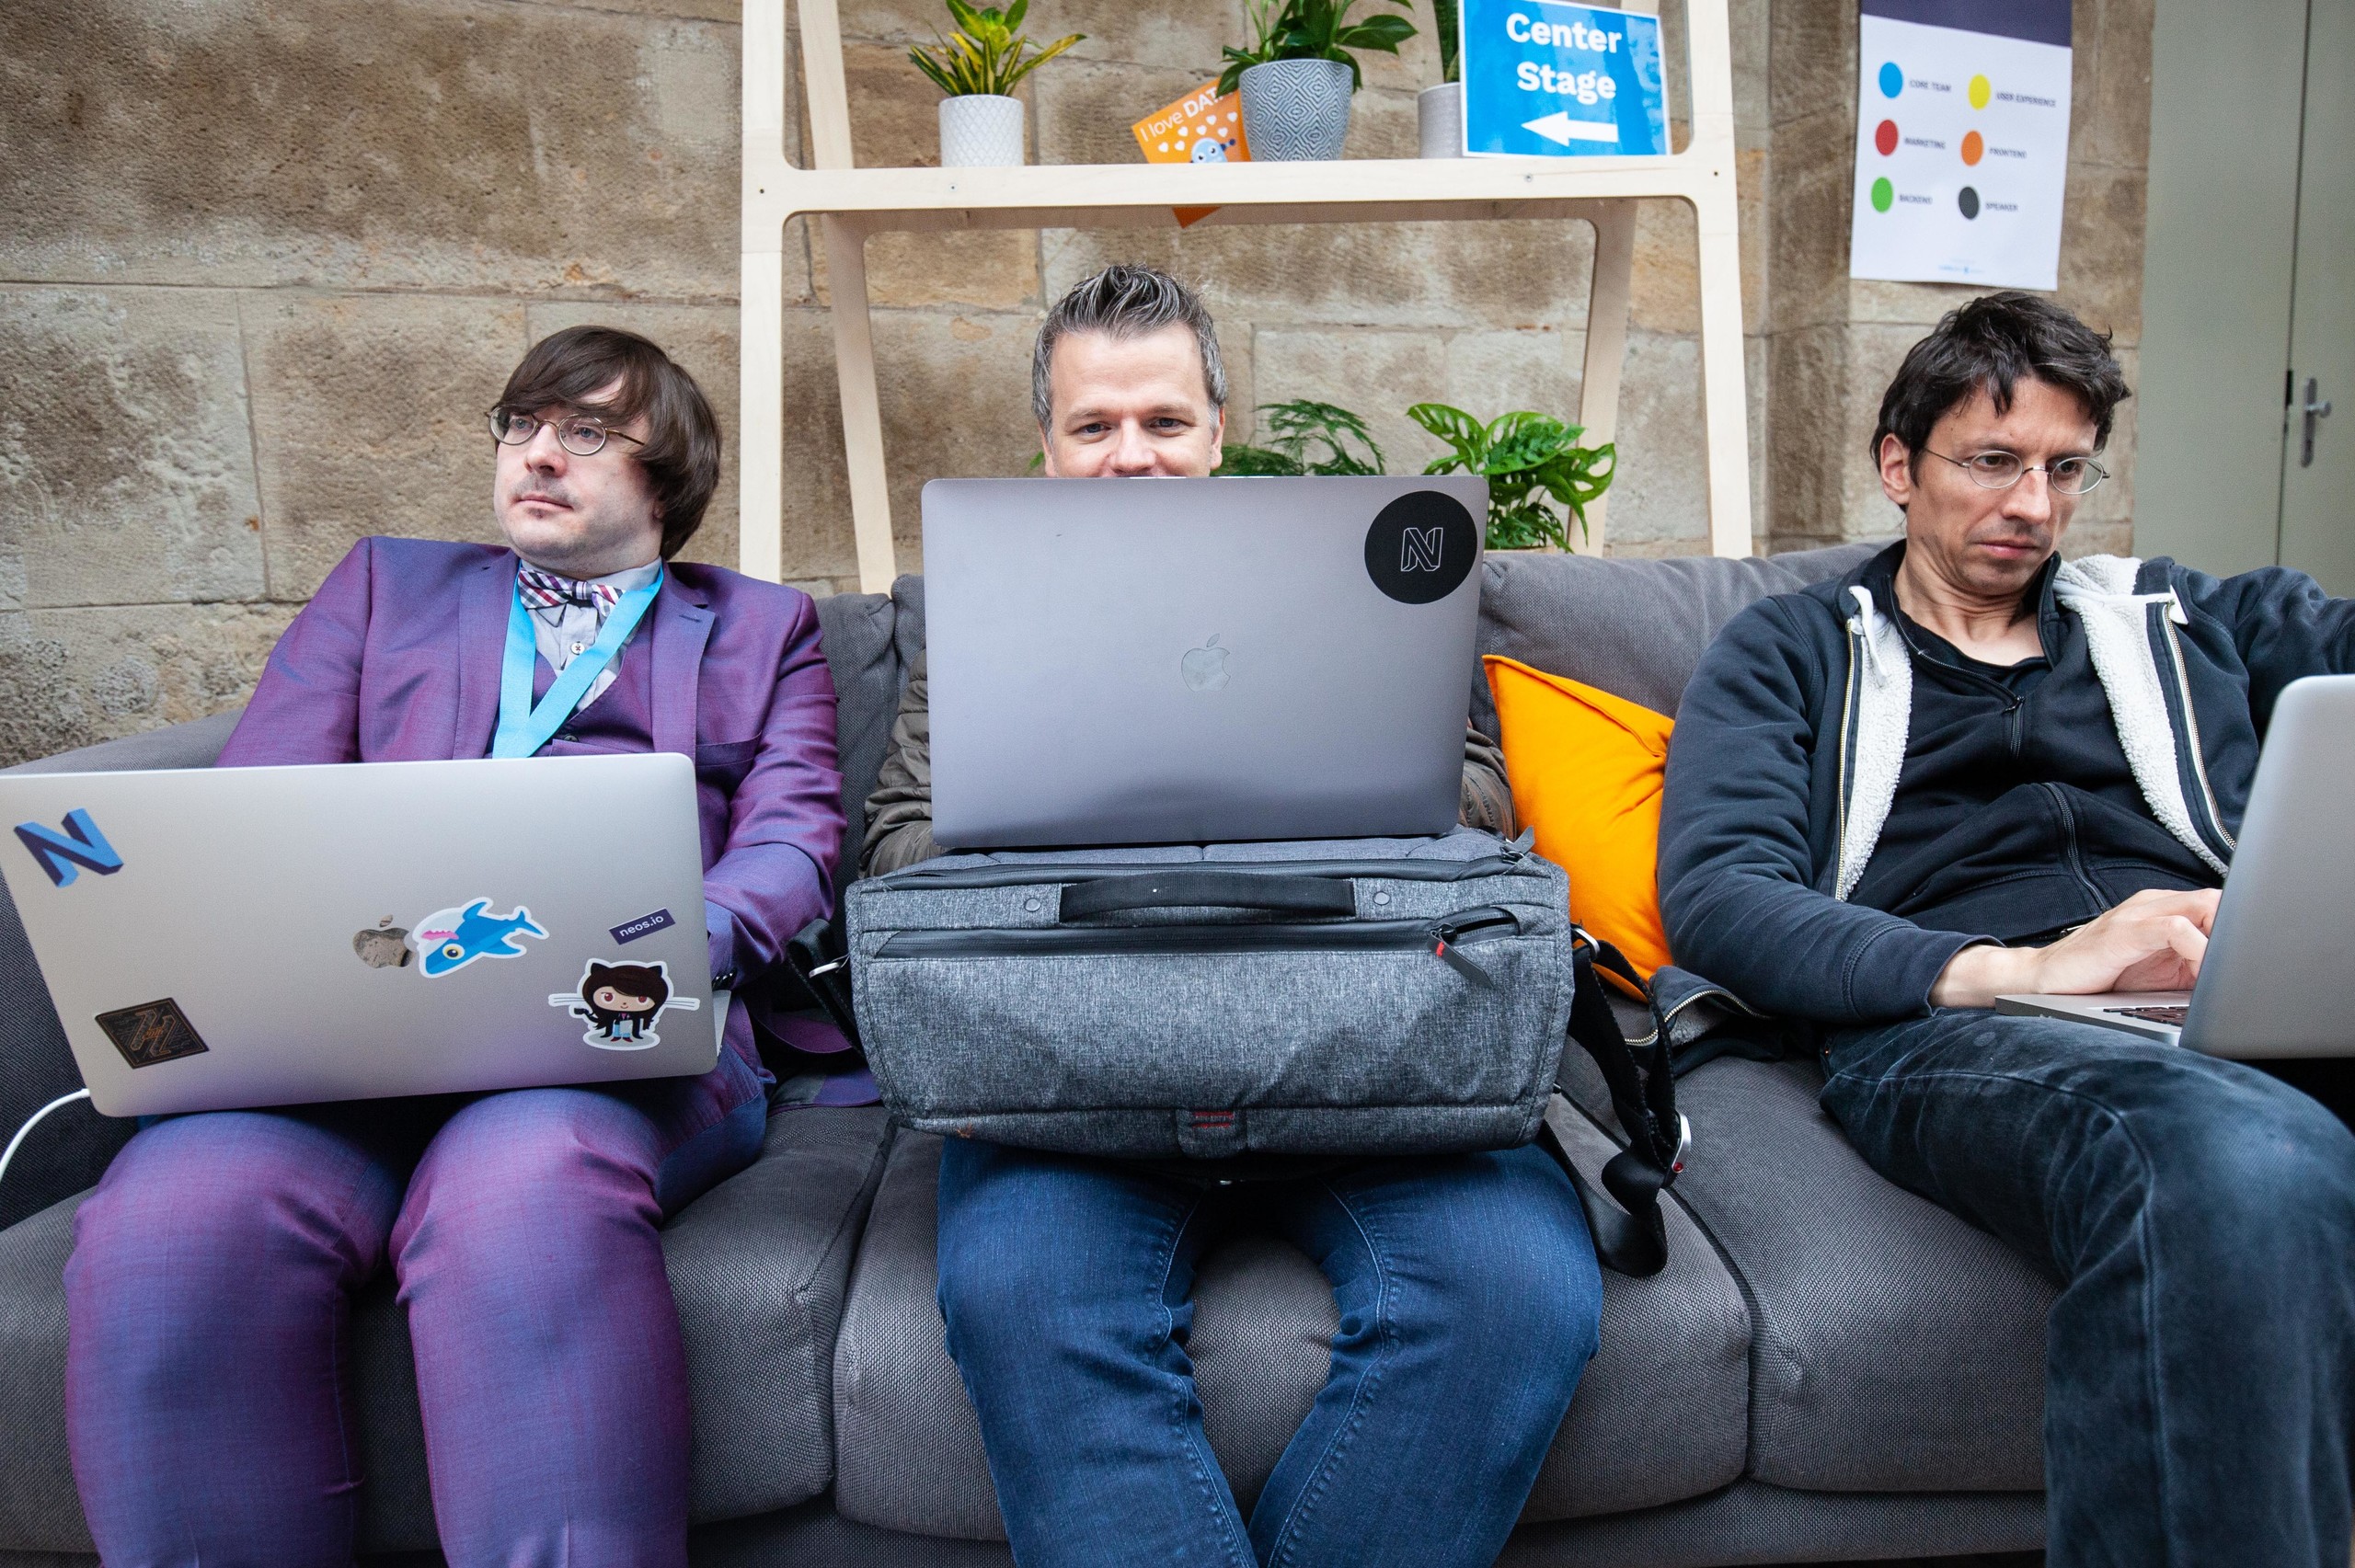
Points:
(1962, 142)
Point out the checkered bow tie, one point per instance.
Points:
(546, 591)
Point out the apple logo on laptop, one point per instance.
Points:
(386, 947)
(1204, 669)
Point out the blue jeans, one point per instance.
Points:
(1469, 1298)
(2199, 1361)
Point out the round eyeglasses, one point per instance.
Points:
(2002, 470)
(578, 434)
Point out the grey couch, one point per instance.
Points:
(1828, 1368)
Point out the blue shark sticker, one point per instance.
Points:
(449, 940)
(62, 855)
(622, 1003)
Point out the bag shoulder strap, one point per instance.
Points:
(1630, 1236)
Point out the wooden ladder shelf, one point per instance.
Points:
(849, 203)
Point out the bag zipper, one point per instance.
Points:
(1443, 939)
(1018, 873)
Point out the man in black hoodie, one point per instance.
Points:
(1970, 767)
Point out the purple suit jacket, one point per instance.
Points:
(397, 656)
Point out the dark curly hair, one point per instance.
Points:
(569, 368)
(1991, 345)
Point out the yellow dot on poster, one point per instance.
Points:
(1980, 91)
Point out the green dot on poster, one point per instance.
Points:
(1884, 196)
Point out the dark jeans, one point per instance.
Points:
(2199, 1361)
(1469, 1300)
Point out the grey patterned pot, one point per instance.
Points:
(982, 131)
(1438, 118)
(1295, 110)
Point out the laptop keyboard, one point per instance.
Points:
(2174, 1015)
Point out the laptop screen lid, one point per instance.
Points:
(2284, 937)
(1198, 660)
(227, 937)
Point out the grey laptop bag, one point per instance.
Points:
(1343, 998)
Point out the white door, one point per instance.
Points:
(2318, 458)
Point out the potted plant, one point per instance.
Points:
(1291, 429)
(1439, 111)
(1300, 70)
(1530, 460)
(977, 67)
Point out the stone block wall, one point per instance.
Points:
(263, 267)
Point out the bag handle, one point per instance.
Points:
(1630, 1236)
(1185, 886)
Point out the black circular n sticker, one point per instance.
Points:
(1421, 548)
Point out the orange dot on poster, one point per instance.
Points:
(1974, 147)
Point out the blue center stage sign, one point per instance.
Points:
(1547, 79)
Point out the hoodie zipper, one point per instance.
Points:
(1847, 751)
(2212, 827)
(1441, 938)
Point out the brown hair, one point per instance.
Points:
(569, 369)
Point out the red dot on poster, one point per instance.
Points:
(1885, 138)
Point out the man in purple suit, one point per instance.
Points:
(209, 1286)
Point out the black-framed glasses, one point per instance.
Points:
(2002, 470)
(576, 433)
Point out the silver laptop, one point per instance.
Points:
(1121, 661)
(2273, 982)
(258, 936)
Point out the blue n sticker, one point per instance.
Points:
(62, 854)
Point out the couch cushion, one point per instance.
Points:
(1659, 1415)
(191, 745)
(864, 661)
(1635, 628)
(759, 1266)
(1899, 1349)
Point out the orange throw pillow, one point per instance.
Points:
(1586, 770)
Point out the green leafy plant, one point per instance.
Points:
(1450, 36)
(1293, 430)
(985, 54)
(1530, 460)
(1315, 29)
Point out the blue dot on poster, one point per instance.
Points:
(1892, 80)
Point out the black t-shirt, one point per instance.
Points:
(2016, 815)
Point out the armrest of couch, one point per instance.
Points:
(69, 1150)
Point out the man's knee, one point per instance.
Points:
(1504, 1279)
(543, 1174)
(2261, 1161)
(222, 1194)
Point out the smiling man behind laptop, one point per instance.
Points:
(1468, 1289)
(209, 1289)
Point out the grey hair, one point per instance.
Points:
(1126, 302)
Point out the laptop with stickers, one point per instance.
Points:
(2268, 984)
(216, 938)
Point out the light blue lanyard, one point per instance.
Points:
(524, 726)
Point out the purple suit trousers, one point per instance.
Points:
(209, 1293)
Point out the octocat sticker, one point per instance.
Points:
(621, 1003)
(449, 940)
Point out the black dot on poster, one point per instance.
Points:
(1968, 201)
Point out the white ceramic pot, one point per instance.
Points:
(1439, 116)
(1296, 111)
(981, 130)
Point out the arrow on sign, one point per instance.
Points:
(1561, 130)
